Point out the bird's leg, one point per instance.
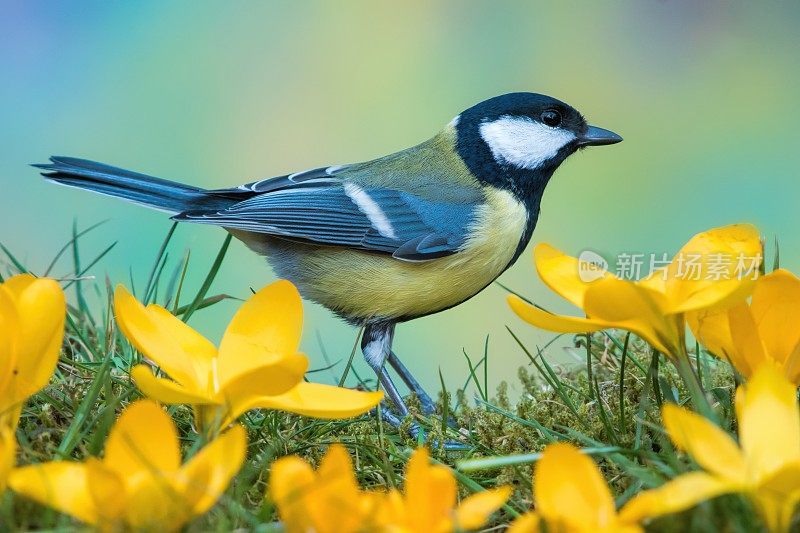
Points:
(425, 401)
(376, 344)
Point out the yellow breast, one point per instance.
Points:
(364, 285)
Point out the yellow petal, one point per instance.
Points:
(164, 390)
(642, 311)
(717, 251)
(19, 283)
(710, 327)
(791, 367)
(777, 496)
(266, 327)
(8, 455)
(41, 308)
(709, 446)
(681, 493)
(429, 494)
(200, 350)
(107, 490)
(475, 510)
(245, 391)
(289, 480)
(144, 330)
(156, 503)
(336, 469)
(746, 339)
(60, 485)
(528, 523)
(9, 329)
(143, 439)
(391, 511)
(776, 311)
(217, 463)
(560, 272)
(581, 498)
(336, 496)
(769, 421)
(550, 322)
(321, 401)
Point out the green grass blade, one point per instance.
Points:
(68, 245)
(152, 279)
(212, 273)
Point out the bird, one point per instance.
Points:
(391, 239)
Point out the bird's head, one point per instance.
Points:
(517, 137)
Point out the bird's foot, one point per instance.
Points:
(417, 432)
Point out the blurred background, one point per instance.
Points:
(217, 94)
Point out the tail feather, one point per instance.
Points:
(139, 188)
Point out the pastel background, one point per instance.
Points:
(216, 94)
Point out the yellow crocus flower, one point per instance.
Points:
(768, 329)
(32, 314)
(571, 496)
(428, 502)
(653, 308)
(330, 501)
(765, 465)
(326, 501)
(140, 483)
(256, 366)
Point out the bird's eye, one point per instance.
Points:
(551, 117)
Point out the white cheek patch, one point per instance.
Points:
(522, 142)
(369, 207)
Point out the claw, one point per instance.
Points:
(415, 430)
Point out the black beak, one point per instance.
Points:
(595, 136)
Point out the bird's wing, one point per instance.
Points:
(321, 208)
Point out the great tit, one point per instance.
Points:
(392, 239)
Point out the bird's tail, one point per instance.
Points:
(152, 192)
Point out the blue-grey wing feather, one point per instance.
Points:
(315, 207)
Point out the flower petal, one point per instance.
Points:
(289, 480)
(681, 493)
(208, 473)
(321, 401)
(268, 379)
(155, 503)
(529, 522)
(144, 330)
(769, 421)
(107, 491)
(267, 326)
(581, 498)
(709, 446)
(164, 390)
(711, 328)
(561, 273)
(429, 493)
(744, 333)
(200, 350)
(9, 330)
(336, 495)
(143, 439)
(551, 322)
(778, 495)
(41, 308)
(61, 485)
(336, 469)
(474, 511)
(716, 280)
(637, 309)
(776, 311)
